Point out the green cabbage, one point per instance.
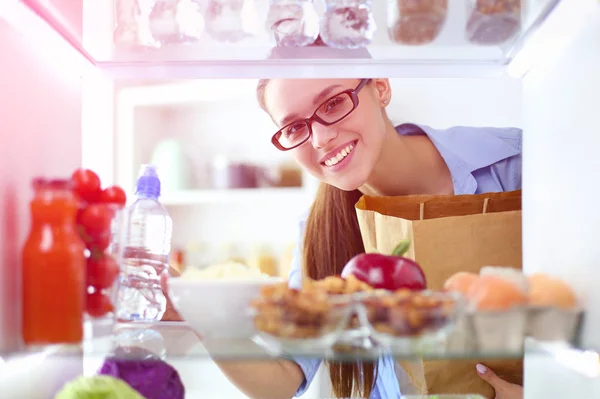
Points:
(98, 387)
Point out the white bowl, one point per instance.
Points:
(218, 308)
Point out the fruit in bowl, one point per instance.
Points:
(215, 303)
(389, 272)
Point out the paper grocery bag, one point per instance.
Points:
(449, 234)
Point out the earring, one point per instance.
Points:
(385, 102)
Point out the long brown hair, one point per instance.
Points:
(332, 237)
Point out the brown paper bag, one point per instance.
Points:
(449, 234)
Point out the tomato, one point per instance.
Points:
(95, 221)
(86, 185)
(102, 270)
(98, 304)
(113, 195)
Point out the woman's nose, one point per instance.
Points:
(322, 135)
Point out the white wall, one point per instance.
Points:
(561, 217)
(40, 134)
(239, 128)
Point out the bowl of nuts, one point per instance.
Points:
(405, 321)
(308, 319)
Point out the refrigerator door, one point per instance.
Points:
(561, 215)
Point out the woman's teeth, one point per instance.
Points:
(340, 155)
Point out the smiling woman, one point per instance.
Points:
(339, 131)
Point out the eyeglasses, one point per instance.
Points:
(330, 112)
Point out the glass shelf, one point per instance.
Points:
(89, 27)
(176, 340)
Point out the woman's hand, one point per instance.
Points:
(170, 313)
(504, 389)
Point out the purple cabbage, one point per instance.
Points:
(151, 377)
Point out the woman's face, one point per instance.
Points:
(343, 154)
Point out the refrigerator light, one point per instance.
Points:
(553, 36)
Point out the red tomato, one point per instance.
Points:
(102, 271)
(98, 304)
(113, 195)
(95, 221)
(87, 185)
(97, 243)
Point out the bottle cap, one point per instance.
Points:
(148, 183)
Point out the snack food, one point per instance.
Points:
(416, 21)
(319, 308)
(405, 313)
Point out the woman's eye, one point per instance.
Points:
(295, 128)
(333, 103)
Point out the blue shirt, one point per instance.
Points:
(480, 160)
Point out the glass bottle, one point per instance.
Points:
(293, 23)
(53, 268)
(348, 23)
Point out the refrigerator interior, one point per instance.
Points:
(554, 102)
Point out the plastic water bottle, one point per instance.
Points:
(146, 245)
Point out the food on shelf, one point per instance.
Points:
(53, 268)
(460, 282)
(97, 387)
(390, 272)
(151, 377)
(97, 210)
(86, 184)
(550, 291)
(554, 313)
(509, 274)
(313, 311)
(408, 313)
(495, 293)
(416, 22)
(492, 22)
(223, 271)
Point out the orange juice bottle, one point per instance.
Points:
(53, 268)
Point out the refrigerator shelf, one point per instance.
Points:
(89, 28)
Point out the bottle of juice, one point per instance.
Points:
(53, 268)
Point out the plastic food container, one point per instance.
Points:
(553, 324)
(500, 332)
(410, 322)
(492, 22)
(416, 21)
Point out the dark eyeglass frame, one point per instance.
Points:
(353, 93)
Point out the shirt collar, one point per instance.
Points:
(464, 149)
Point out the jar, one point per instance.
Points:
(416, 21)
(348, 24)
(493, 22)
(53, 273)
(293, 23)
(226, 20)
(175, 22)
(126, 32)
